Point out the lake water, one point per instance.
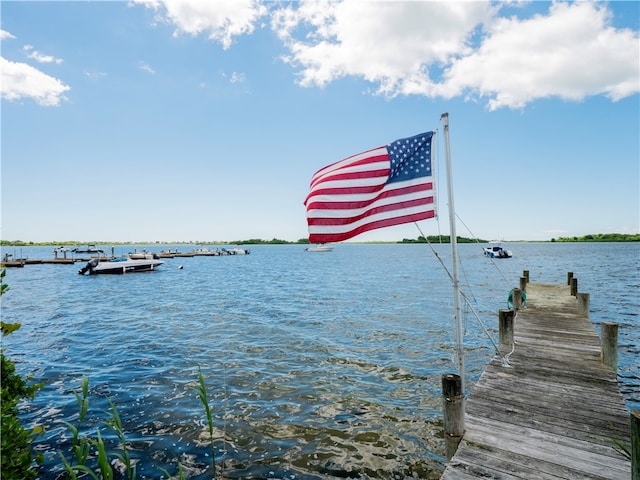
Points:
(317, 365)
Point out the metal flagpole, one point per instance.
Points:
(454, 253)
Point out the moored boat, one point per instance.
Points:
(206, 252)
(319, 248)
(121, 265)
(88, 249)
(236, 251)
(60, 251)
(497, 251)
(143, 255)
(174, 253)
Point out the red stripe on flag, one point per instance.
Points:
(350, 205)
(321, 174)
(340, 237)
(374, 211)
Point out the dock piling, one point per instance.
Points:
(453, 403)
(523, 284)
(583, 304)
(609, 344)
(505, 330)
(517, 299)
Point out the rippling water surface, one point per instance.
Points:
(317, 365)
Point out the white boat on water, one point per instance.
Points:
(319, 248)
(88, 249)
(206, 252)
(143, 255)
(122, 265)
(497, 251)
(236, 251)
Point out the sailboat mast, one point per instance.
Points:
(454, 253)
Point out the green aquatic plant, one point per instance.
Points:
(80, 446)
(103, 460)
(83, 447)
(115, 424)
(201, 390)
(180, 472)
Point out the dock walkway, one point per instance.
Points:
(555, 412)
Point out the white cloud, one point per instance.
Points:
(570, 53)
(237, 77)
(4, 35)
(221, 20)
(20, 80)
(391, 44)
(93, 75)
(146, 68)
(435, 49)
(39, 57)
(439, 49)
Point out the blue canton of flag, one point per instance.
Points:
(410, 157)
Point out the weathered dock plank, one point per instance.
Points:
(11, 264)
(60, 261)
(555, 412)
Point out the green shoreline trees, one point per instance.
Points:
(595, 237)
(601, 237)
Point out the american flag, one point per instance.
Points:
(378, 188)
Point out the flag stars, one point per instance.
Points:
(410, 158)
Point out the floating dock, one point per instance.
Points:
(62, 259)
(53, 261)
(556, 411)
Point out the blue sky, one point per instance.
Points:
(203, 121)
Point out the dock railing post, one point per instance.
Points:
(583, 304)
(569, 277)
(635, 445)
(574, 287)
(505, 327)
(609, 344)
(517, 299)
(453, 406)
(523, 284)
(525, 274)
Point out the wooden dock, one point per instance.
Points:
(556, 411)
(52, 261)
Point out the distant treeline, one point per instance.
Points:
(597, 237)
(601, 237)
(71, 243)
(441, 239)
